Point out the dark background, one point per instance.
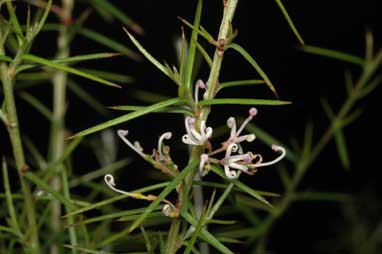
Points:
(302, 79)
(298, 77)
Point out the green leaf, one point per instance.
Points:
(149, 245)
(220, 201)
(250, 202)
(34, 77)
(149, 57)
(192, 50)
(46, 187)
(85, 250)
(8, 195)
(37, 104)
(243, 102)
(15, 23)
(115, 215)
(73, 59)
(339, 136)
(173, 184)
(222, 222)
(240, 185)
(34, 152)
(129, 116)
(48, 171)
(106, 6)
(87, 98)
(321, 196)
(290, 22)
(5, 58)
(68, 69)
(86, 57)
(334, 55)
(170, 110)
(99, 38)
(342, 148)
(114, 199)
(198, 228)
(308, 141)
(240, 83)
(238, 233)
(148, 97)
(112, 76)
(370, 87)
(106, 16)
(7, 229)
(207, 236)
(204, 53)
(108, 42)
(254, 64)
(202, 32)
(41, 23)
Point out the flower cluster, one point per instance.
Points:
(198, 134)
(235, 160)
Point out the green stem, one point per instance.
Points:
(213, 79)
(212, 84)
(58, 131)
(7, 78)
(173, 237)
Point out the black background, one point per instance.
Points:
(302, 79)
(298, 77)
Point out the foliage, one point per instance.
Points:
(47, 209)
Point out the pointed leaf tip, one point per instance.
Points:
(255, 65)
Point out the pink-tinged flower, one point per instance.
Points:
(193, 136)
(233, 164)
(166, 135)
(109, 180)
(203, 160)
(198, 85)
(170, 210)
(136, 146)
(275, 148)
(235, 134)
(239, 162)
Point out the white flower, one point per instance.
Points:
(243, 162)
(235, 134)
(136, 147)
(194, 137)
(203, 160)
(275, 148)
(199, 84)
(109, 180)
(170, 210)
(239, 161)
(166, 135)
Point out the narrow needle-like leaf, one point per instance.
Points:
(334, 54)
(128, 117)
(240, 83)
(8, 194)
(243, 102)
(290, 22)
(254, 64)
(46, 187)
(174, 183)
(71, 70)
(149, 57)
